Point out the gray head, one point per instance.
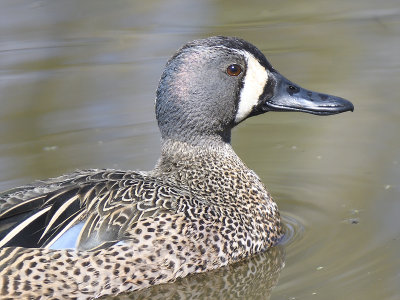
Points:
(211, 85)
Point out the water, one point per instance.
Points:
(77, 88)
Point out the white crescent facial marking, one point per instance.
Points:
(253, 86)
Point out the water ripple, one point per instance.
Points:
(293, 228)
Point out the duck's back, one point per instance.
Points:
(104, 202)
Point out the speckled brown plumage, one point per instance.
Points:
(220, 214)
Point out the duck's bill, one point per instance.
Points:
(288, 96)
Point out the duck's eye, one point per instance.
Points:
(234, 70)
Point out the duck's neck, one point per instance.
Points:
(177, 154)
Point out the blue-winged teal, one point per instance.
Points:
(101, 232)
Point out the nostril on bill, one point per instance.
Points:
(323, 96)
(292, 89)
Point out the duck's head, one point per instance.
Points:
(211, 85)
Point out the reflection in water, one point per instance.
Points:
(252, 278)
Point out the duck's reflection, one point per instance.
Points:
(251, 278)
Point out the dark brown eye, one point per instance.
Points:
(234, 70)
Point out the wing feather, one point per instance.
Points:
(106, 202)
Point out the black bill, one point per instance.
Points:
(287, 96)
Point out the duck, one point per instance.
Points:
(98, 232)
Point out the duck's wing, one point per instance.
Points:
(86, 210)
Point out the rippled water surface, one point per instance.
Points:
(77, 89)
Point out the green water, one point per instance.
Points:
(77, 89)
